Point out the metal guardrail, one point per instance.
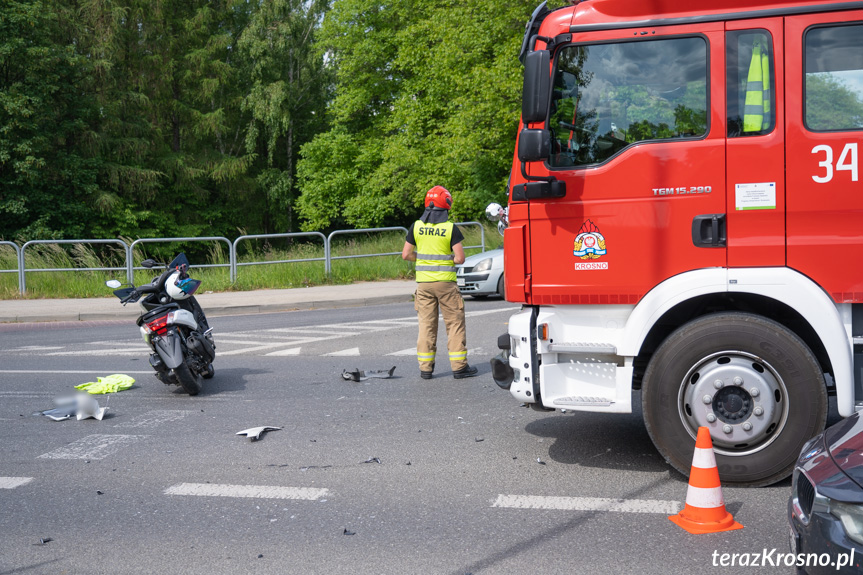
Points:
(130, 265)
(17, 262)
(233, 263)
(22, 264)
(237, 262)
(329, 267)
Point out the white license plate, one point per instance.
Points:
(459, 282)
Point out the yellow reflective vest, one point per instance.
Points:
(756, 112)
(435, 261)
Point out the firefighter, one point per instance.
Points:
(438, 250)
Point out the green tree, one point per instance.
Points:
(426, 93)
(287, 96)
(47, 180)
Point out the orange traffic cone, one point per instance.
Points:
(704, 511)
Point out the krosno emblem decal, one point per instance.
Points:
(589, 245)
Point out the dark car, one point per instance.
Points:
(825, 511)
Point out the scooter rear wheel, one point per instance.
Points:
(189, 381)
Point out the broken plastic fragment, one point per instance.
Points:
(373, 460)
(348, 532)
(358, 375)
(88, 407)
(255, 432)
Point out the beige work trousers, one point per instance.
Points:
(429, 297)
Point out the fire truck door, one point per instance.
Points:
(824, 96)
(755, 189)
(638, 136)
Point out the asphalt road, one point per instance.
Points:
(387, 476)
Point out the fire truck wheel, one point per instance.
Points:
(752, 382)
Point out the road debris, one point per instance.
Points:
(82, 406)
(43, 541)
(255, 432)
(108, 384)
(346, 532)
(359, 375)
(373, 460)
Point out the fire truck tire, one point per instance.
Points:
(754, 383)
(189, 381)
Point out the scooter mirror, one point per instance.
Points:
(113, 284)
(148, 263)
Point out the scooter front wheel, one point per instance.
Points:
(189, 381)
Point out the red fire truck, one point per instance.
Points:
(685, 219)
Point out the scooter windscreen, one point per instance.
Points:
(180, 260)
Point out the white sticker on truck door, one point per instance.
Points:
(761, 196)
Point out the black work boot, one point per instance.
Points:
(466, 371)
(427, 374)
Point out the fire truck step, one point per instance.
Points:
(583, 347)
(576, 401)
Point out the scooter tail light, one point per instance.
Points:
(159, 325)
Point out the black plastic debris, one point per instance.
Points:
(347, 532)
(373, 460)
(100, 492)
(540, 461)
(478, 439)
(359, 375)
(255, 432)
(44, 541)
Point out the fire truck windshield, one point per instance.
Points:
(611, 95)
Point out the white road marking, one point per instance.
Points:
(130, 351)
(256, 491)
(13, 482)
(92, 447)
(155, 418)
(588, 504)
(36, 348)
(89, 371)
(354, 351)
(408, 351)
(292, 351)
(488, 311)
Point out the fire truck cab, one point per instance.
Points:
(685, 218)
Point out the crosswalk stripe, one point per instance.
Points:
(292, 351)
(255, 491)
(155, 418)
(13, 482)
(408, 351)
(92, 447)
(354, 351)
(587, 504)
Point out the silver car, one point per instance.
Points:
(481, 275)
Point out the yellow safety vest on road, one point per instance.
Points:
(435, 260)
(756, 108)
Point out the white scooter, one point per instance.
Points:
(173, 325)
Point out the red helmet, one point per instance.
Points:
(438, 197)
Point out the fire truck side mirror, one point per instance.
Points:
(536, 87)
(534, 145)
